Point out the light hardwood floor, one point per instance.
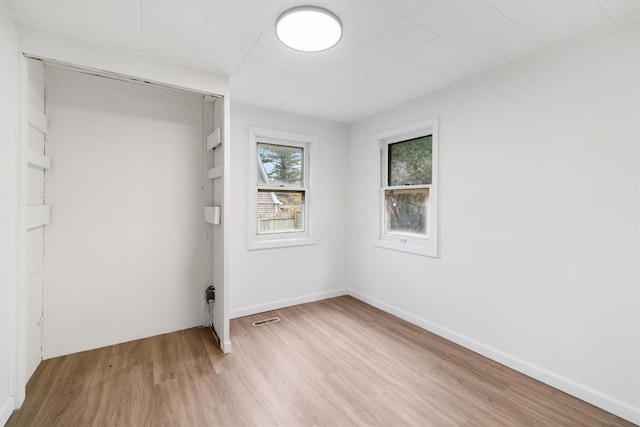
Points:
(333, 362)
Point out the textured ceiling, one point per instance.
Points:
(392, 51)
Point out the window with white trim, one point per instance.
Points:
(279, 193)
(409, 188)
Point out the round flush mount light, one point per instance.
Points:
(309, 28)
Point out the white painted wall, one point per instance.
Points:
(266, 279)
(213, 195)
(124, 246)
(34, 238)
(539, 233)
(218, 187)
(8, 214)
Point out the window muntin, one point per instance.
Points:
(408, 188)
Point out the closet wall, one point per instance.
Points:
(216, 181)
(37, 212)
(124, 249)
(8, 213)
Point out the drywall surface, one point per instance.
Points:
(8, 213)
(124, 246)
(538, 264)
(46, 45)
(220, 316)
(34, 239)
(264, 279)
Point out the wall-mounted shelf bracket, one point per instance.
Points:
(38, 216)
(37, 119)
(212, 214)
(214, 139)
(215, 173)
(38, 160)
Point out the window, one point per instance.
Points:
(279, 193)
(408, 191)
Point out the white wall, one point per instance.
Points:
(539, 236)
(8, 192)
(34, 238)
(265, 279)
(124, 246)
(213, 195)
(219, 251)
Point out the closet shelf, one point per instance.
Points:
(214, 139)
(38, 216)
(38, 160)
(215, 172)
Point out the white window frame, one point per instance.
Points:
(291, 139)
(415, 245)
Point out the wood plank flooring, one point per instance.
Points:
(330, 363)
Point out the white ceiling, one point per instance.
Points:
(392, 51)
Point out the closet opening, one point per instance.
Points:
(122, 199)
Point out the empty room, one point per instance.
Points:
(335, 212)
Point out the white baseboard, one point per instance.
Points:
(608, 403)
(260, 308)
(6, 409)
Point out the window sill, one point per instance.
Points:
(280, 243)
(407, 247)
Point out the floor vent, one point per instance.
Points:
(266, 321)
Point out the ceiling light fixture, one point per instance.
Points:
(309, 28)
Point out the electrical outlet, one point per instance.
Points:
(210, 294)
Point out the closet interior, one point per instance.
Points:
(122, 190)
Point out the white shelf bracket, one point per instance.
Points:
(38, 160)
(214, 139)
(38, 216)
(215, 173)
(37, 119)
(212, 214)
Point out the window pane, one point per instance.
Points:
(405, 212)
(410, 162)
(280, 212)
(280, 165)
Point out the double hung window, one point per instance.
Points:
(408, 191)
(280, 188)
